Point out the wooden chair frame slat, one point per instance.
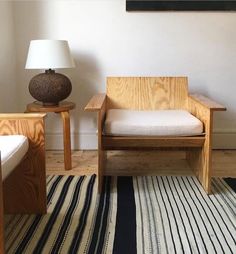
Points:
(113, 143)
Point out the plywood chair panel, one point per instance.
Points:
(25, 188)
(1, 214)
(122, 93)
(147, 93)
(163, 93)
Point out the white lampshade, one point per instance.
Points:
(49, 54)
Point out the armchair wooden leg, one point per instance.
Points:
(201, 163)
(101, 151)
(102, 155)
(205, 171)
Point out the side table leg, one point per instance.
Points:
(66, 136)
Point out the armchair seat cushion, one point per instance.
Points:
(122, 122)
(13, 148)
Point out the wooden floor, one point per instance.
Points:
(139, 163)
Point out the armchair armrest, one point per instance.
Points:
(206, 102)
(30, 125)
(18, 116)
(26, 124)
(96, 103)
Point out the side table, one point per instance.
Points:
(63, 108)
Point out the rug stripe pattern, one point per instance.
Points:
(145, 215)
(125, 230)
(186, 220)
(72, 218)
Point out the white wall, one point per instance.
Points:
(8, 96)
(106, 40)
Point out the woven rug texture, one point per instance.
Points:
(144, 214)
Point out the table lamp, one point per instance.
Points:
(50, 87)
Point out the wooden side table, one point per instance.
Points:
(63, 108)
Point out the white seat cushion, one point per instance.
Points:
(13, 148)
(121, 122)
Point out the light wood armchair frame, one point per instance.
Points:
(153, 93)
(24, 190)
(1, 215)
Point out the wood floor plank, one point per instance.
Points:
(139, 163)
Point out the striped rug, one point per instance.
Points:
(132, 215)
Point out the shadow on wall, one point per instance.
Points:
(86, 81)
(85, 78)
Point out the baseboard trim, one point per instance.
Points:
(85, 141)
(88, 141)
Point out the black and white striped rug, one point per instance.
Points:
(132, 215)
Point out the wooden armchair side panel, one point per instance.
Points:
(98, 104)
(1, 214)
(200, 160)
(24, 191)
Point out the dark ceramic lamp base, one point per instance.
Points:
(50, 87)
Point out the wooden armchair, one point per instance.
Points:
(155, 93)
(24, 190)
(1, 215)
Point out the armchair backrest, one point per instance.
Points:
(147, 93)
